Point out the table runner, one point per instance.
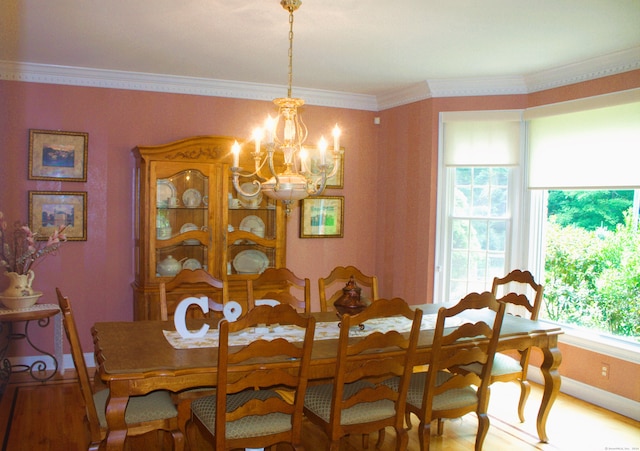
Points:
(57, 328)
(324, 331)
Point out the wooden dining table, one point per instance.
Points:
(135, 358)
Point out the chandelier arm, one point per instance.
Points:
(238, 188)
(336, 162)
(316, 185)
(272, 168)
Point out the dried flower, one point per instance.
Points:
(20, 249)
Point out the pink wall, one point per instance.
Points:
(97, 274)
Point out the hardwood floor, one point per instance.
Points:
(39, 417)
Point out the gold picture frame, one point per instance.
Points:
(337, 180)
(322, 217)
(50, 209)
(58, 155)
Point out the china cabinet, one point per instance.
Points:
(188, 215)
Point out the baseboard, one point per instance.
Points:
(596, 396)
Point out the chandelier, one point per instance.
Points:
(286, 134)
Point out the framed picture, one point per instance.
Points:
(50, 209)
(322, 217)
(56, 155)
(337, 180)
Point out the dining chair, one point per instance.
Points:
(445, 392)
(197, 279)
(330, 287)
(505, 367)
(357, 401)
(152, 412)
(281, 285)
(249, 411)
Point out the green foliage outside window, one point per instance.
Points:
(592, 272)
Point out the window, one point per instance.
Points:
(479, 200)
(492, 209)
(480, 225)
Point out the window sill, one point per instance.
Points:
(601, 343)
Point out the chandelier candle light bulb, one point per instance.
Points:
(235, 149)
(336, 138)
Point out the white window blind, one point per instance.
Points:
(486, 138)
(573, 147)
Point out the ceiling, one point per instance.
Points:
(367, 47)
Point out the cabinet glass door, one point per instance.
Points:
(252, 230)
(182, 222)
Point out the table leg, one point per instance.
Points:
(39, 366)
(5, 364)
(115, 410)
(549, 369)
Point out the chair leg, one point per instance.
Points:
(440, 426)
(483, 428)
(335, 445)
(184, 414)
(178, 440)
(402, 439)
(365, 441)
(381, 434)
(407, 419)
(525, 389)
(424, 435)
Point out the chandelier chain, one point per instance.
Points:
(290, 52)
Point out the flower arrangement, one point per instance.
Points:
(19, 249)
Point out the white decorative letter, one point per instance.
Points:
(180, 317)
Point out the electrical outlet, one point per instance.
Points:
(605, 370)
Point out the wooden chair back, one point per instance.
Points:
(364, 361)
(97, 434)
(282, 285)
(330, 287)
(253, 394)
(522, 296)
(520, 282)
(156, 419)
(201, 283)
(472, 342)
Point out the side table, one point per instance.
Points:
(42, 314)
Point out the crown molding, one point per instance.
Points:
(591, 69)
(99, 78)
(611, 64)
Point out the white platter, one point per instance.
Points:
(191, 198)
(250, 202)
(191, 263)
(165, 190)
(251, 261)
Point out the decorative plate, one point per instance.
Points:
(191, 263)
(250, 202)
(164, 191)
(191, 198)
(250, 261)
(253, 224)
(188, 227)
